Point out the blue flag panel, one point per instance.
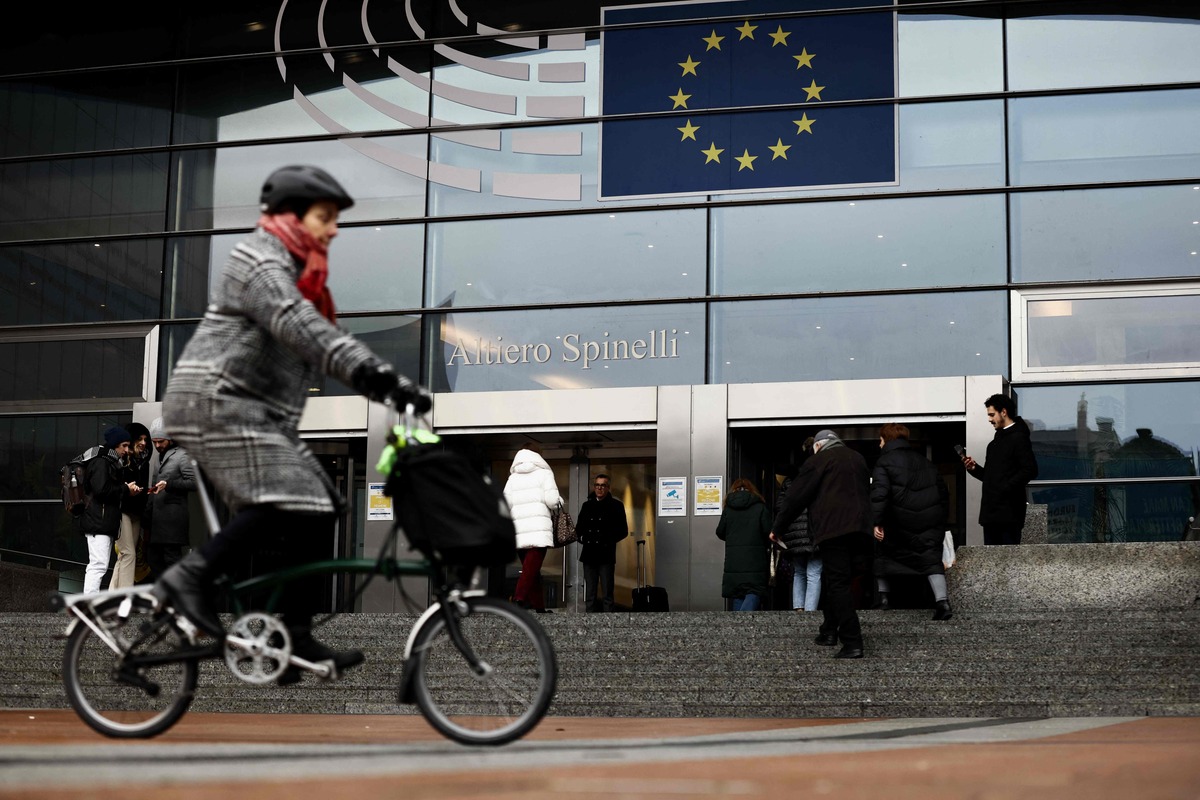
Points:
(745, 68)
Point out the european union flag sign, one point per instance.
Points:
(746, 69)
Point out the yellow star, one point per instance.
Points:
(780, 36)
(689, 66)
(688, 131)
(681, 99)
(804, 124)
(779, 149)
(713, 40)
(812, 90)
(804, 59)
(745, 160)
(713, 152)
(747, 30)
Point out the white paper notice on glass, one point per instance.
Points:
(379, 506)
(672, 497)
(708, 495)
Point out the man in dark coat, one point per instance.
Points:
(101, 519)
(1010, 466)
(167, 518)
(833, 486)
(909, 506)
(601, 524)
(136, 470)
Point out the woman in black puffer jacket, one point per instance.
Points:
(909, 506)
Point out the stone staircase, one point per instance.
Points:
(1077, 648)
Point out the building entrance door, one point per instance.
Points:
(628, 457)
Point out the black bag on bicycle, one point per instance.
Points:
(449, 508)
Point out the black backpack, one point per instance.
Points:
(73, 477)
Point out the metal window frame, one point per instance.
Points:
(1022, 372)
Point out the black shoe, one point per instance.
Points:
(826, 640)
(543, 611)
(186, 586)
(942, 610)
(882, 602)
(308, 648)
(849, 652)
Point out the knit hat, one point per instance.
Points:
(157, 431)
(114, 436)
(823, 435)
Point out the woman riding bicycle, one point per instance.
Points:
(236, 395)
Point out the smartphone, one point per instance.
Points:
(962, 452)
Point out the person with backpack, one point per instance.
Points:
(236, 395)
(101, 517)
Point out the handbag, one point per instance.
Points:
(948, 557)
(564, 526)
(776, 554)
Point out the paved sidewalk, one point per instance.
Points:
(50, 754)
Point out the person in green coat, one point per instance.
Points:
(744, 527)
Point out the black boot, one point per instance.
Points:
(186, 586)
(882, 602)
(942, 610)
(308, 648)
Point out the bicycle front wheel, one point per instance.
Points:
(106, 686)
(511, 691)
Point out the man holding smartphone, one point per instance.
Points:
(1010, 467)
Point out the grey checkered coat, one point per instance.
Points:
(235, 398)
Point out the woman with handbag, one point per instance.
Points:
(532, 495)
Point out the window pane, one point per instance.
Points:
(72, 113)
(80, 282)
(840, 338)
(950, 55)
(570, 348)
(362, 94)
(1114, 331)
(870, 245)
(1088, 49)
(577, 258)
(396, 340)
(69, 370)
(171, 341)
(220, 188)
(83, 197)
(1103, 234)
(1121, 512)
(1113, 430)
(52, 36)
(33, 448)
(1105, 137)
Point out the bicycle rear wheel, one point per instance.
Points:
(517, 684)
(115, 697)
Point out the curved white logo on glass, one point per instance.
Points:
(526, 84)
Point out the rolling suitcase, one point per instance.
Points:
(647, 598)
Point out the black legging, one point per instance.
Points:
(274, 540)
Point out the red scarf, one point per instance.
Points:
(303, 245)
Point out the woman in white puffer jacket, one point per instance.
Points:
(531, 493)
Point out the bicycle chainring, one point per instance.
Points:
(257, 648)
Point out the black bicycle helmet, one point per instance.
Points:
(299, 186)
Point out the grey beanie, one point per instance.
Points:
(157, 431)
(824, 434)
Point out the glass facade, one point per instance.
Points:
(1040, 148)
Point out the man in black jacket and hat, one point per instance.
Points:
(833, 485)
(1010, 466)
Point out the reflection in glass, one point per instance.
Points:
(942, 54)
(395, 339)
(1104, 137)
(109, 281)
(869, 245)
(1103, 234)
(840, 338)
(220, 188)
(171, 341)
(110, 195)
(540, 260)
(69, 370)
(92, 111)
(1114, 331)
(569, 348)
(1136, 430)
(1056, 52)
